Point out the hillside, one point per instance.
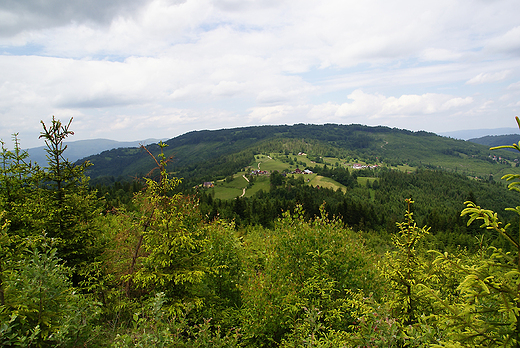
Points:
(497, 140)
(210, 155)
(470, 134)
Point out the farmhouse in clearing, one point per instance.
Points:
(260, 172)
(364, 166)
(299, 171)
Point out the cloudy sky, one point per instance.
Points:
(137, 69)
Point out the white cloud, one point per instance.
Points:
(270, 114)
(278, 114)
(515, 85)
(212, 63)
(489, 77)
(508, 42)
(377, 105)
(439, 54)
(362, 104)
(35, 14)
(456, 103)
(228, 88)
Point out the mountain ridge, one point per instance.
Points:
(209, 154)
(78, 149)
(479, 133)
(83, 148)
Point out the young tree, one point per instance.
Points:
(19, 194)
(168, 255)
(69, 204)
(487, 312)
(297, 278)
(40, 307)
(6, 251)
(405, 269)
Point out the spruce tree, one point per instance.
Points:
(70, 207)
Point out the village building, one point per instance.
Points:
(364, 166)
(299, 171)
(259, 172)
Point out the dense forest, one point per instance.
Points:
(408, 259)
(375, 208)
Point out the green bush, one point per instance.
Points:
(155, 327)
(41, 308)
(297, 270)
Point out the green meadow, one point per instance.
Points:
(230, 189)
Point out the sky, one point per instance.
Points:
(136, 69)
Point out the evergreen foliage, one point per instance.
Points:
(404, 270)
(20, 193)
(70, 205)
(297, 277)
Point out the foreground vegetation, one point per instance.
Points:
(168, 269)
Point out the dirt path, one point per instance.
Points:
(244, 189)
(261, 162)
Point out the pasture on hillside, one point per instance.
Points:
(234, 187)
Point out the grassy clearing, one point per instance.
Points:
(226, 192)
(261, 183)
(362, 181)
(333, 161)
(305, 160)
(271, 164)
(322, 181)
(406, 168)
(230, 190)
(278, 162)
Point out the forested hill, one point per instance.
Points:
(497, 140)
(210, 155)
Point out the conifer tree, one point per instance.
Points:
(19, 194)
(487, 311)
(70, 207)
(405, 269)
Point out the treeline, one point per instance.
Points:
(376, 206)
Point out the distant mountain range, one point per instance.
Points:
(497, 140)
(83, 148)
(203, 154)
(479, 133)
